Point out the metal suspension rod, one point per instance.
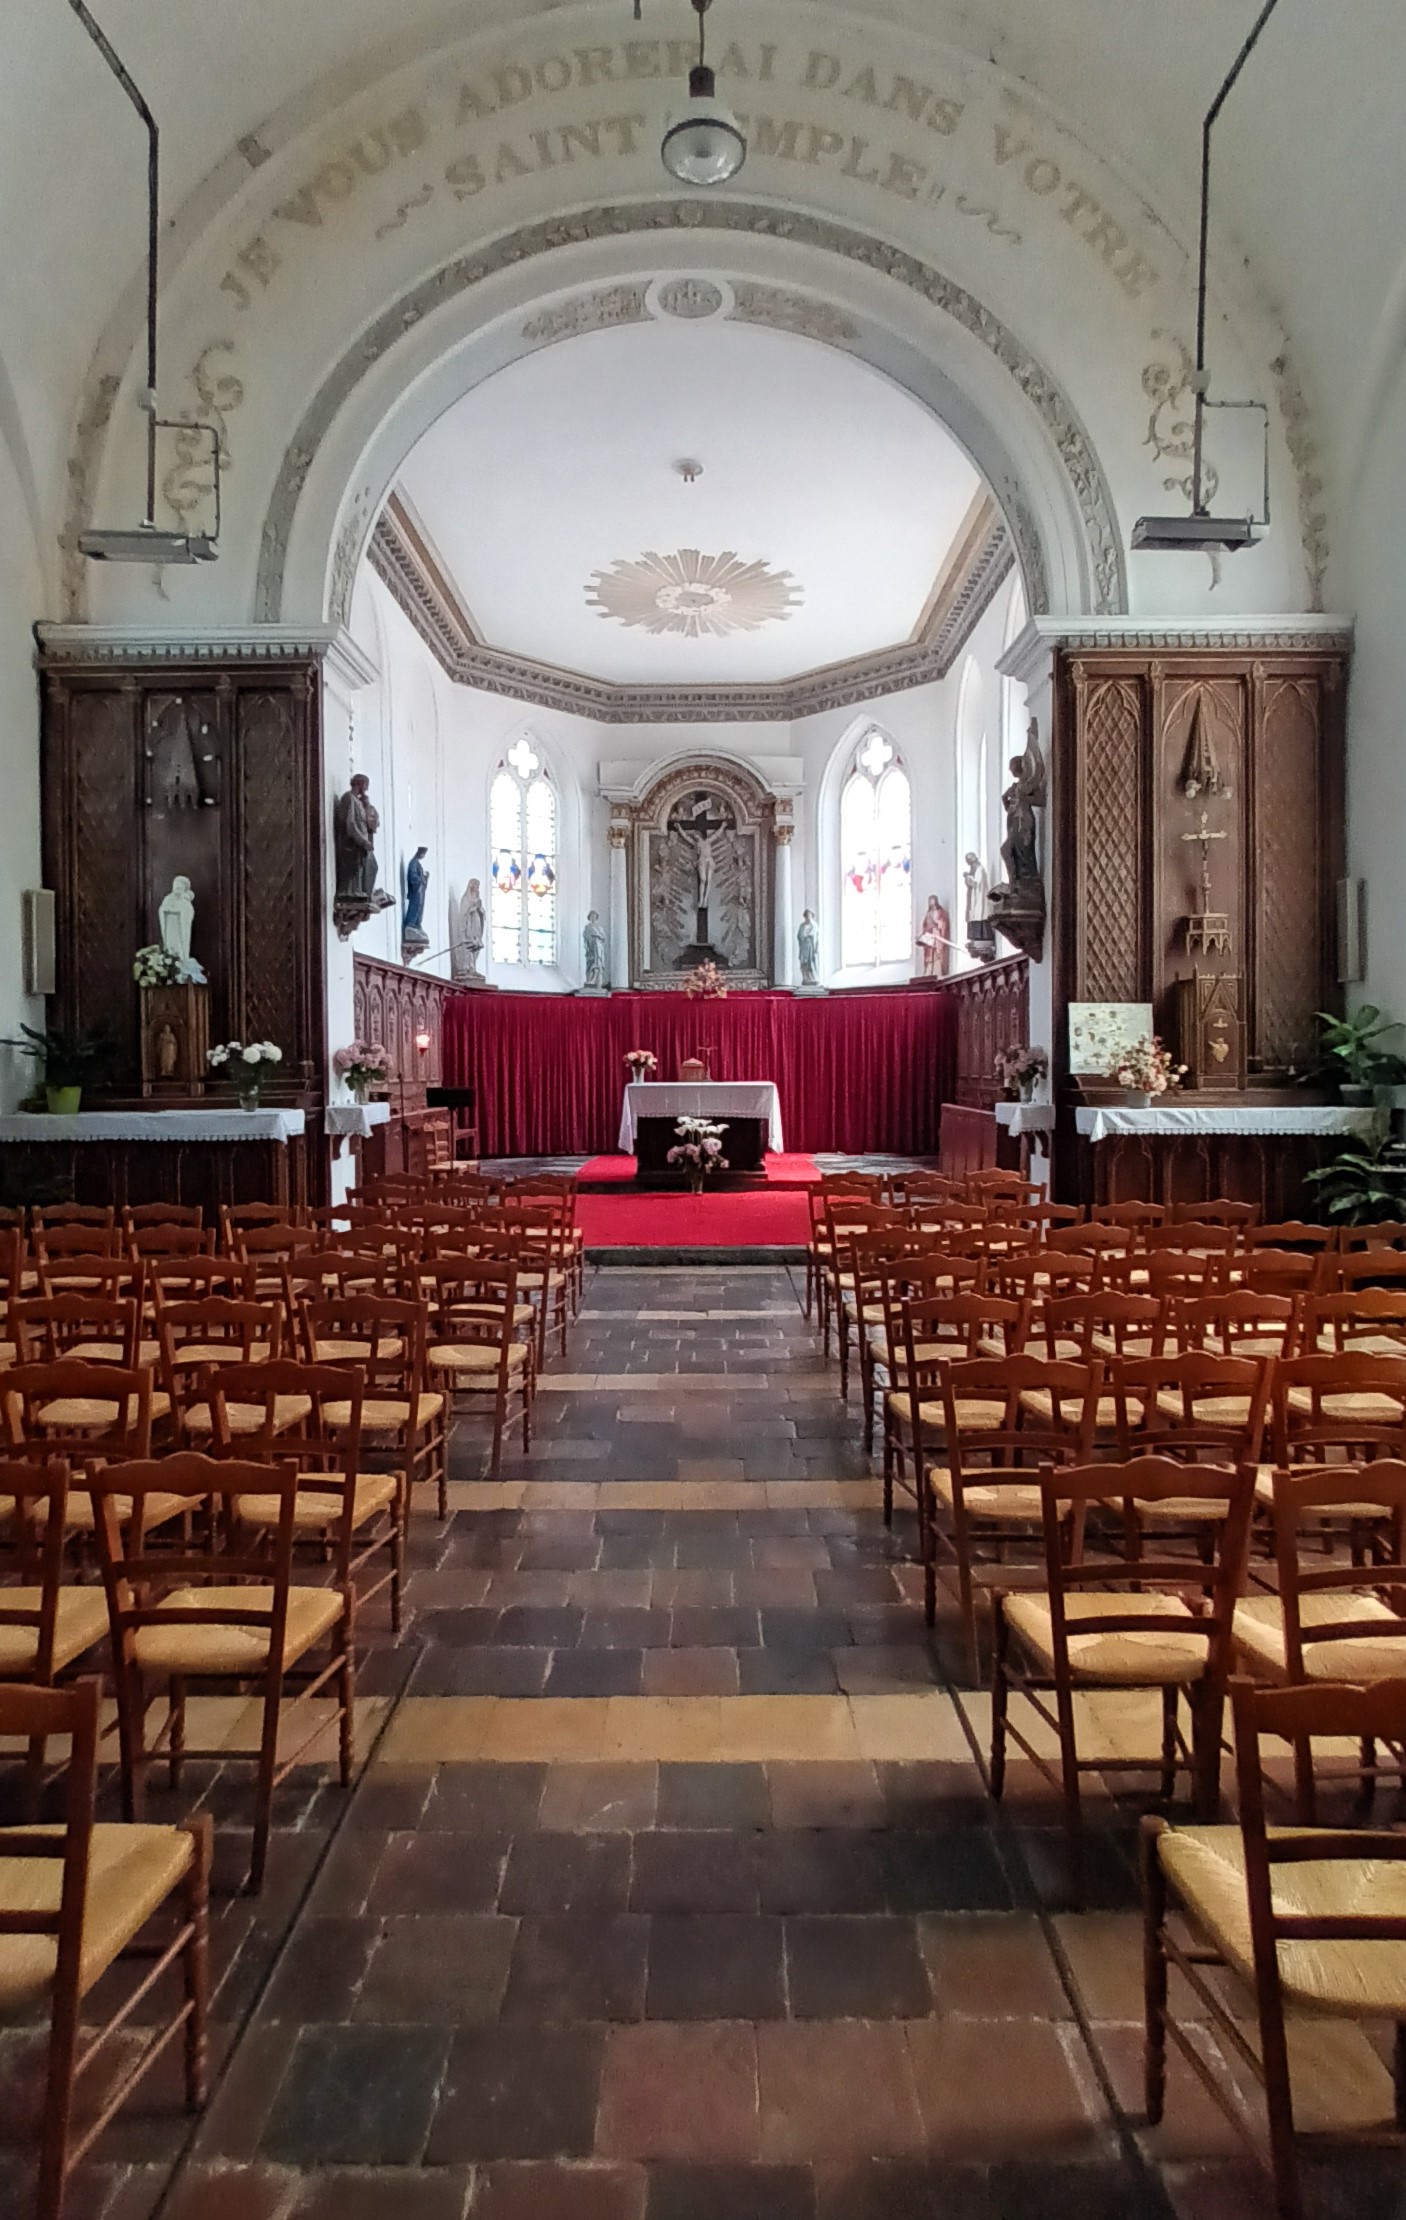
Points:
(134, 93)
(1212, 113)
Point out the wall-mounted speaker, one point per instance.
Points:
(39, 941)
(1352, 930)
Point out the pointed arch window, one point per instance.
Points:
(522, 831)
(876, 856)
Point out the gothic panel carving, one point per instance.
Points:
(273, 861)
(1111, 861)
(105, 863)
(993, 1012)
(1290, 882)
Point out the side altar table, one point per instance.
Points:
(204, 1156)
(1240, 1147)
(749, 1108)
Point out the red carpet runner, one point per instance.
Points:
(756, 1217)
(781, 1171)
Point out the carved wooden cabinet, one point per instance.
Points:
(212, 768)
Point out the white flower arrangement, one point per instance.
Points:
(250, 1064)
(700, 1147)
(155, 966)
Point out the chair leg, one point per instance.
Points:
(176, 1742)
(1399, 2073)
(263, 1794)
(58, 2104)
(1073, 1803)
(1154, 1971)
(496, 1456)
(34, 1762)
(195, 1964)
(1207, 1719)
(1000, 1697)
(1279, 2104)
(131, 1739)
(346, 1698)
(1168, 1784)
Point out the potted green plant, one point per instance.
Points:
(1364, 1183)
(1349, 1051)
(72, 1059)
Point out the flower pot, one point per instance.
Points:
(248, 1098)
(360, 1091)
(1027, 1090)
(695, 1181)
(1355, 1095)
(1138, 1098)
(64, 1102)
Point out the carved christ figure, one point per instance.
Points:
(704, 847)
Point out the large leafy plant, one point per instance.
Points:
(1349, 1045)
(82, 1056)
(1364, 1184)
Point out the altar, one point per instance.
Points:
(1193, 1149)
(749, 1108)
(206, 1156)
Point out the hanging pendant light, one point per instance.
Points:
(703, 145)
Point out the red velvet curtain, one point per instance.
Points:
(855, 1072)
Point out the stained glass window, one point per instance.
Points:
(522, 831)
(876, 857)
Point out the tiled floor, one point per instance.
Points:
(670, 1889)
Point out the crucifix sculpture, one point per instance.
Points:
(699, 833)
(1209, 932)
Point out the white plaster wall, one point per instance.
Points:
(20, 596)
(1377, 705)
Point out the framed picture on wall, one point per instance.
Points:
(1099, 1032)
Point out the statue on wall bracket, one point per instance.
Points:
(1017, 906)
(355, 823)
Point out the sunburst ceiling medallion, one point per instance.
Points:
(700, 596)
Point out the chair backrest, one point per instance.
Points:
(1010, 1184)
(254, 1242)
(31, 1555)
(1191, 1403)
(1386, 1233)
(1365, 1495)
(347, 1268)
(1042, 1275)
(1282, 1269)
(46, 1327)
(218, 1330)
(138, 1579)
(1013, 1389)
(1117, 1318)
(110, 1276)
(185, 1279)
(47, 1216)
(387, 1333)
(1090, 1239)
(82, 1238)
(1192, 1237)
(1136, 1214)
(1069, 1492)
(935, 1331)
(162, 1214)
(1162, 1273)
(1041, 1217)
(1374, 1266)
(1235, 1321)
(95, 1411)
(1301, 1715)
(36, 1714)
(1219, 1212)
(1291, 1233)
(1340, 1404)
(169, 1239)
(1353, 1315)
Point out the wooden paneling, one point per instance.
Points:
(392, 1005)
(993, 1012)
(1267, 1169)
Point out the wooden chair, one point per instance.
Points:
(1163, 1273)
(1104, 1323)
(535, 1232)
(235, 1218)
(94, 1329)
(1042, 1276)
(843, 1202)
(475, 1346)
(1191, 1404)
(46, 1624)
(333, 1492)
(1370, 1320)
(1192, 1237)
(1123, 1620)
(233, 1618)
(921, 1277)
(874, 1271)
(1234, 1322)
(167, 1239)
(1313, 1919)
(403, 1423)
(1388, 1233)
(1282, 1271)
(77, 1272)
(186, 1279)
(162, 1214)
(45, 1216)
(1137, 1215)
(995, 1442)
(936, 1330)
(81, 1239)
(87, 1414)
(197, 1338)
(1089, 1239)
(1292, 1233)
(73, 1901)
(1013, 1186)
(1371, 1267)
(1219, 1212)
(266, 1250)
(564, 1194)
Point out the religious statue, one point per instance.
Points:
(935, 940)
(978, 886)
(702, 893)
(355, 823)
(593, 941)
(176, 917)
(167, 1052)
(808, 946)
(467, 937)
(1017, 908)
(414, 940)
(1020, 801)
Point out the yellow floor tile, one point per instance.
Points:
(677, 1729)
(560, 1495)
(900, 1728)
(437, 1730)
(486, 1495)
(545, 1727)
(794, 1727)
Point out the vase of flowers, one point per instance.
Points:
(362, 1065)
(705, 983)
(158, 967)
(1019, 1071)
(1147, 1069)
(641, 1064)
(699, 1150)
(249, 1065)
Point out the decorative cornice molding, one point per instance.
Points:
(1029, 656)
(139, 646)
(420, 589)
(657, 218)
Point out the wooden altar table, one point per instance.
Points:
(749, 1108)
(1240, 1148)
(205, 1156)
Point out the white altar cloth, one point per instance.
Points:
(232, 1124)
(356, 1120)
(1101, 1121)
(705, 1098)
(1025, 1117)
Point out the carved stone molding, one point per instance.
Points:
(102, 646)
(658, 218)
(420, 589)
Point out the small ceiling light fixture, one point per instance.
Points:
(704, 145)
(1202, 531)
(147, 542)
(689, 470)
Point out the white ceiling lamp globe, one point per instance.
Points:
(703, 145)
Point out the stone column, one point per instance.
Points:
(785, 968)
(619, 950)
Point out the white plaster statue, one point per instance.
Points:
(978, 885)
(593, 940)
(176, 917)
(467, 936)
(808, 948)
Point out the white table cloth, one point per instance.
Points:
(228, 1124)
(356, 1120)
(705, 1098)
(1025, 1117)
(1101, 1121)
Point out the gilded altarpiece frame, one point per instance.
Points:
(706, 800)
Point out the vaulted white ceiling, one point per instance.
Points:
(813, 467)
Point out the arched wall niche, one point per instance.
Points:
(924, 169)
